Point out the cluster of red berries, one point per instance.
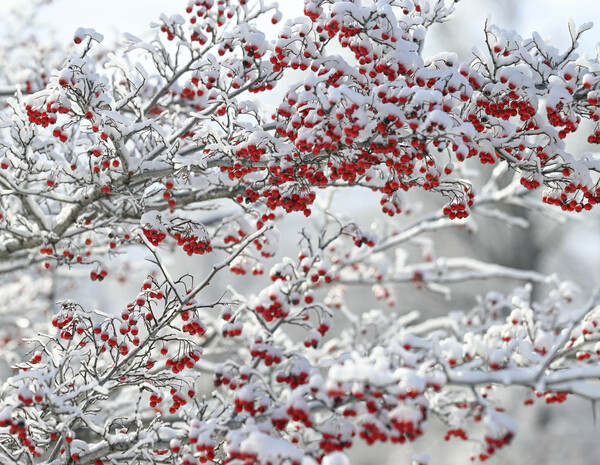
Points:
(46, 117)
(408, 426)
(566, 203)
(493, 444)
(316, 177)
(154, 236)
(47, 250)
(203, 8)
(268, 353)
(364, 237)
(62, 321)
(204, 444)
(251, 196)
(457, 432)
(263, 219)
(179, 400)
(312, 339)
(156, 398)
(279, 419)
(370, 432)
(530, 183)
(324, 326)
(223, 376)
(556, 117)
(195, 327)
(331, 443)
(187, 361)
(456, 210)
(294, 379)
(110, 339)
(583, 355)
(232, 329)
(167, 30)
(249, 405)
(27, 397)
(241, 265)
(296, 201)
(301, 414)
(281, 59)
(250, 151)
(508, 106)
(192, 244)
(153, 294)
(231, 239)
(346, 170)
(36, 358)
(18, 427)
(273, 310)
(98, 275)
(59, 133)
(552, 397)
(595, 137)
(390, 204)
(487, 158)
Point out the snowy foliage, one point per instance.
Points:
(163, 145)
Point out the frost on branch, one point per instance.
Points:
(163, 145)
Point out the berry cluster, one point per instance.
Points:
(294, 378)
(495, 443)
(242, 404)
(232, 329)
(250, 151)
(457, 210)
(195, 327)
(241, 265)
(202, 441)
(458, 432)
(18, 428)
(595, 137)
(300, 412)
(192, 244)
(274, 309)
(222, 376)
(203, 8)
(237, 171)
(49, 115)
(179, 399)
(154, 236)
(63, 320)
(553, 397)
(294, 201)
(267, 352)
(507, 106)
(560, 116)
(364, 237)
(169, 31)
(312, 339)
(98, 275)
(332, 442)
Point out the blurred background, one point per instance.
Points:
(566, 245)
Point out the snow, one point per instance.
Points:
(267, 448)
(336, 458)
